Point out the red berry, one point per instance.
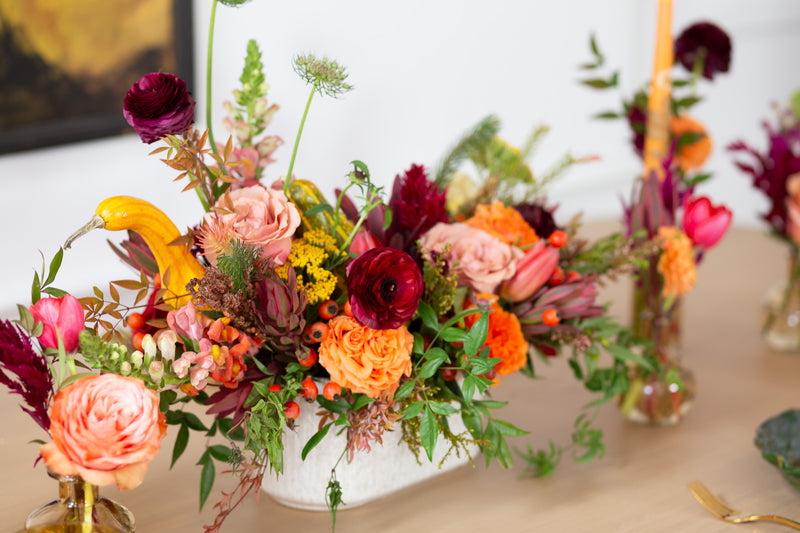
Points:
(347, 309)
(291, 409)
(309, 360)
(137, 340)
(550, 317)
(315, 333)
(157, 280)
(573, 275)
(332, 391)
(557, 277)
(136, 321)
(275, 388)
(449, 373)
(309, 391)
(328, 309)
(557, 239)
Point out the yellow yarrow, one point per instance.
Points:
(307, 257)
(676, 263)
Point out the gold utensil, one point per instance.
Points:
(720, 510)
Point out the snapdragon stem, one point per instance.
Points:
(208, 75)
(297, 140)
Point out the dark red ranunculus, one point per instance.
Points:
(385, 285)
(159, 104)
(539, 217)
(417, 205)
(705, 41)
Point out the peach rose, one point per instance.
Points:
(259, 216)
(366, 360)
(105, 429)
(481, 260)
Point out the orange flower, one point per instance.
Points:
(106, 429)
(676, 263)
(505, 223)
(505, 339)
(366, 360)
(691, 155)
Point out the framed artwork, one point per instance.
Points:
(65, 67)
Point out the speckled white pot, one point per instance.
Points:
(385, 469)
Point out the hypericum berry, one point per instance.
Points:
(275, 388)
(449, 373)
(332, 391)
(573, 275)
(137, 340)
(309, 360)
(557, 277)
(315, 333)
(550, 317)
(136, 321)
(557, 239)
(347, 310)
(328, 309)
(291, 409)
(157, 280)
(310, 390)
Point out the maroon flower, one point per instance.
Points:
(385, 285)
(539, 217)
(31, 375)
(158, 104)
(705, 42)
(417, 205)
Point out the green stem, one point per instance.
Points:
(297, 140)
(208, 76)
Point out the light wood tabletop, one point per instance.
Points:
(639, 485)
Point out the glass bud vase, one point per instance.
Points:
(781, 310)
(660, 397)
(77, 499)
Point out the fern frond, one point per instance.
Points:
(238, 262)
(470, 145)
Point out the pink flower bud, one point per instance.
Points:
(705, 224)
(184, 322)
(533, 271)
(362, 242)
(64, 314)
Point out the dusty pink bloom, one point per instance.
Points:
(184, 322)
(202, 359)
(533, 271)
(64, 314)
(258, 216)
(481, 261)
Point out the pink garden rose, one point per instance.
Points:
(259, 216)
(481, 260)
(64, 314)
(704, 223)
(106, 429)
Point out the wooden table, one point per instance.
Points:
(639, 485)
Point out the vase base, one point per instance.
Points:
(660, 402)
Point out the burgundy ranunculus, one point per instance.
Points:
(417, 205)
(707, 42)
(539, 217)
(385, 285)
(159, 104)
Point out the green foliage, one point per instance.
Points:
(42, 282)
(586, 444)
(252, 79)
(473, 142)
(238, 262)
(265, 423)
(440, 284)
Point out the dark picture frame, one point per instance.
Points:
(44, 104)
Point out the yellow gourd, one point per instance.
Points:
(129, 213)
(305, 195)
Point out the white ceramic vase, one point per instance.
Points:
(371, 475)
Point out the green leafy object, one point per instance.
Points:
(473, 422)
(404, 390)
(688, 138)
(428, 316)
(490, 404)
(361, 400)
(165, 399)
(340, 406)
(55, 264)
(469, 387)
(361, 167)
(226, 427)
(685, 103)
(475, 141)
(606, 115)
(428, 432)
(507, 428)
(333, 496)
(220, 452)
(477, 335)
(434, 359)
(442, 408)
(595, 49)
(413, 409)
(341, 420)
(624, 354)
(174, 418)
(419, 343)
(697, 179)
(452, 334)
(193, 422)
(36, 288)
(600, 83)
(55, 293)
(206, 481)
(482, 365)
(576, 369)
(794, 103)
(315, 439)
(181, 440)
(318, 208)
(777, 438)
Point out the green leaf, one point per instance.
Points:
(36, 288)
(55, 293)
(482, 366)
(624, 354)
(206, 481)
(507, 428)
(454, 335)
(434, 359)
(361, 401)
(428, 432)
(413, 409)
(166, 398)
(55, 264)
(404, 390)
(181, 440)
(315, 439)
(360, 166)
(468, 387)
(428, 316)
(220, 453)
(193, 422)
(473, 422)
(606, 115)
(477, 335)
(490, 404)
(340, 406)
(600, 83)
(442, 408)
(795, 103)
(318, 208)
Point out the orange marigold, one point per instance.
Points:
(676, 263)
(504, 339)
(694, 154)
(505, 223)
(366, 360)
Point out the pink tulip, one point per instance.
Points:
(362, 242)
(64, 314)
(533, 271)
(705, 224)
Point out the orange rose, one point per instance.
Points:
(105, 429)
(691, 155)
(504, 339)
(363, 359)
(505, 223)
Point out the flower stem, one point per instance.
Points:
(88, 505)
(297, 140)
(208, 75)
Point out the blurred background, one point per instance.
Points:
(424, 73)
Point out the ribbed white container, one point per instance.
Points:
(385, 469)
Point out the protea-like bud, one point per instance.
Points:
(571, 300)
(279, 308)
(533, 270)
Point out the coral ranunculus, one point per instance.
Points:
(385, 285)
(106, 429)
(366, 360)
(676, 263)
(64, 314)
(693, 154)
(705, 223)
(159, 104)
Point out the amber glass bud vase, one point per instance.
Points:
(781, 324)
(77, 499)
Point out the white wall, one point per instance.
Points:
(424, 72)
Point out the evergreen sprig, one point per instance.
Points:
(473, 142)
(239, 262)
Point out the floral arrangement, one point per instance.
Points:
(664, 208)
(380, 314)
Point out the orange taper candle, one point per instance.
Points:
(656, 141)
